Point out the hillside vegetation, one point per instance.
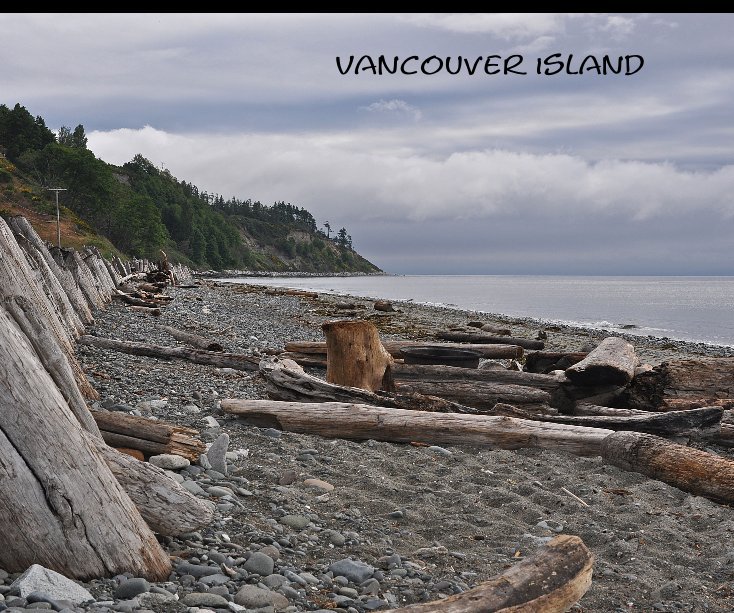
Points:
(138, 209)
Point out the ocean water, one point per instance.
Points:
(699, 309)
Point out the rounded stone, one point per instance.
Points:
(131, 588)
(260, 564)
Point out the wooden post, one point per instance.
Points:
(356, 357)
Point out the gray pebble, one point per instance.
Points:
(253, 597)
(205, 599)
(260, 564)
(297, 522)
(354, 570)
(131, 588)
(169, 461)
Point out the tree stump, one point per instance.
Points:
(356, 357)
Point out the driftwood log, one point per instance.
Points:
(60, 506)
(492, 329)
(355, 356)
(207, 344)
(612, 362)
(691, 470)
(487, 339)
(393, 347)
(550, 581)
(697, 423)
(151, 436)
(198, 356)
(547, 361)
(361, 422)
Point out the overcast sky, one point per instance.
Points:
(441, 173)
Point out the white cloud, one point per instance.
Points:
(508, 26)
(393, 106)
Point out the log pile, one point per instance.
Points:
(71, 502)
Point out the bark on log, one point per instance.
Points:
(394, 347)
(547, 361)
(361, 422)
(151, 436)
(166, 507)
(688, 469)
(549, 581)
(708, 379)
(60, 506)
(287, 381)
(207, 344)
(355, 356)
(613, 362)
(18, 280)
(38, 259)
(487, 339)
(210, 358)
(697, 423)
(479, 394)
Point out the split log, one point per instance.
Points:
(151, 436)
(708, 379)
(691, 470)
(60, 506)
(41, 261)
(492, 329)
(547, 361)
(394, 347)
(198, 356)
(613, 362)
(167, 508)
(361, 422)
(285, 380)
(479, 394)
(355, 356)
(551, 580)
(697, 423)
(194, 340)
(487, 339)
(18, 280)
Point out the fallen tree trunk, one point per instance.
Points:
(194, 340)
(548, 361)
(419, 372)
(549, 581)
(688, 469)
(60, 506)
(151, 436)
(705, 379)
(486, 339)
(698, 423)
(132, 300)
(361, 422)
(287, 381)
(317, 360)
(584, 408)
(612, 362)
(479, 394)
(166, 507)
(198, 356)
(355, 356)
(394, 347)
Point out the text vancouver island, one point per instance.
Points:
(554, 64)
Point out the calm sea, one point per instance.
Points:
(685, 308)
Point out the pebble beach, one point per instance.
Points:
(305, 523)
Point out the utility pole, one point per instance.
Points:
(58, 216)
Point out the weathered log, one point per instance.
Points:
(132, 300)
(18, 280)
(101, 277)
(547, 361)
(155, 312)
(73, 262)
(491, 328)
(384, 306)
(40, 260)
(287, 381)
(207, 344)
(691, 470)
(54, 361)
(420, 372)
(198, 356)
(317, 360)
(361, 421)
(151, 436)
(166, 507)
(549, 581)
(355, 356)
(708, 379)
(60, 506)
(697, 423)
(683, 404)
(487, 339)
(594, 410)
(613, 361)
(394, 347)
(133, 276)
(479, 394)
